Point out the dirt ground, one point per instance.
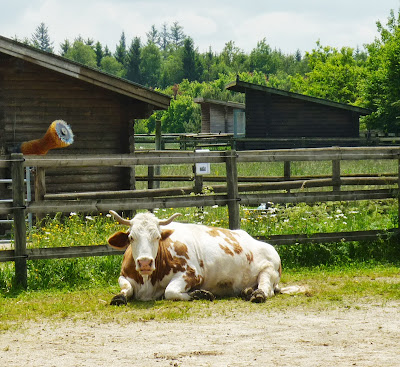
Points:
(368, 335)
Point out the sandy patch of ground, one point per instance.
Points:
(368, 335)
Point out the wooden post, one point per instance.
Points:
(286, 172)
(157, 169)
(336, 174)
(18, 194)
(150, 177)
(132, 169)
(398, 200)
(232, 188)
(198, 182)
(40, 188)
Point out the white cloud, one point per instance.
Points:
(287, 25)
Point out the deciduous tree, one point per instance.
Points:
(382, 84)
(82, 53)
(150, 65)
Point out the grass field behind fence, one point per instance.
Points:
(275, 169)
(82, 230)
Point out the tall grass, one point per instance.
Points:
(80, 230)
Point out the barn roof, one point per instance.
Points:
(231, 104)
(84, 73)
(241, 86)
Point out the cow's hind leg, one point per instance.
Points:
(126, 292)
(267, 280)
(246, 293)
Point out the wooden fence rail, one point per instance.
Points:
(232, 194)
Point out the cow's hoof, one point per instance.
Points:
(246, 293)
(258, 296)
(118, 300)
(201, 294)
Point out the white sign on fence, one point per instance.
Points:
(203, 168)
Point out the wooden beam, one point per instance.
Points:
(18, 193)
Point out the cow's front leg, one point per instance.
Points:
(177, 290)
(201, 294)
(125, 294)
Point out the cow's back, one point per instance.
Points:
(227, 260)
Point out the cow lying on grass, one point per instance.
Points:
(189, 261)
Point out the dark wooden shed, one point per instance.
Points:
(283, 117)
(221, 117)
(37, 88)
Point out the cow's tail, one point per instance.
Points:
(291, 289)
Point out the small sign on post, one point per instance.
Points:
(203, 168)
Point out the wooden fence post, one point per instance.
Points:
(157, 169)
(398, 200)
(336, 174)
(40, 188)
(198, 183)
(18, 194)
(232, 189)
(286, 172)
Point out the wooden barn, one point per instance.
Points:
(37, 88)
(279, 119)
(221, 117)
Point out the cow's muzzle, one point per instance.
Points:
(145, 266)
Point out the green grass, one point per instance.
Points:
(275, 169)
(337, 274)
(81, 230)
(328, 288)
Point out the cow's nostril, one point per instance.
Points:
(145, 263)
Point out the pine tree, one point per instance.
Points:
(65, 46)
(133, 61)
(99, 53)
(176, 35)
(120, 52)
(41, 39)
(189, 60)
(107, 51)
(163, 40)
(152, 35)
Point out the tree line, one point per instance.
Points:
(169, 62)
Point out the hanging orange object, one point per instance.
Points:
(58, 135)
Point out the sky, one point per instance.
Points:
(288, 25)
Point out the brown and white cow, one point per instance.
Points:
(183, 261)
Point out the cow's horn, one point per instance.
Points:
(119, 219)
(164, 222)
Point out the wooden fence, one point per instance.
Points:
(227, 140)
(232, 194)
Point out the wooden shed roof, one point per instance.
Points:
(231, 104)
(84, 73)
(241, 86)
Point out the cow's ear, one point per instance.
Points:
(165, 233)
(119, 240)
